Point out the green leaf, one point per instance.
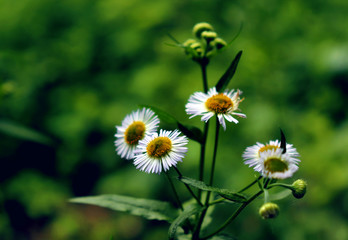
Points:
(226, 78)
(282, 141)
(182, 218)
(191, 132)
(225, 193)
(149, 209)
(223, 236)
(22, 132)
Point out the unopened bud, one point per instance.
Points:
(269, 210)
(189, 42)
(201, 27)
(299, 188)
(219, 43)
(209, 35)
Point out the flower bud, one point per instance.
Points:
(299, 188)
(209, 35)
(189, 42)
(269, 210)
(219, 43)
(201, 27)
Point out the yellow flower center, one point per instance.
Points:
(219, 103)
(134, 132)
(275, 165)
(159, 147)
(267, 147)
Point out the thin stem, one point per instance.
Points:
(202, 157)
(188, 188)
(217, 201)
(203, 65)
(234, 215)
(201, 218)
(280, 185)
(175, 193)
(215, 152)
(250, 185)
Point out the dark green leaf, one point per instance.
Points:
(225, 193)
(182, 218)
(191, 132)
(149, 209)
(282, 141)
(223, 236)
(226, 78)
(22, 132)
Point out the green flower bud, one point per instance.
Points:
(219, 43)
(209, 35)
(269, 210)
(201, 27)
(189, 42)
(299, 188)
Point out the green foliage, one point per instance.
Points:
(225, 193)
(191, 132)
(228, 75)
(183, 218)
(149, 209)
(72, 70)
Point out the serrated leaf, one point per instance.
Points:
(181, 219)
(225, 193)
(228, 75)
(147, 208)
(23, 132)
(282, 141)
(191, 132)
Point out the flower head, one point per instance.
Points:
(160, 151)
(135, 127)
(269, 210)
(224, 105)
(271, 161)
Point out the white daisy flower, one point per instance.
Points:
(135, 127)
(270, 161)
(160, 151)
(208, 104)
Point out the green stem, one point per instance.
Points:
(188, 188)
(201, 218)
(202, 157)
(250, 185)
(234, 215)
(203, 65)
(175, 193)
(215, 152)
(280, 185)
(217, 201)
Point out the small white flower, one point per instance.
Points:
(135, 127)
(160, 151)
(270, 161)
(213, 103)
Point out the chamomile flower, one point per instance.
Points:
(224, 105)
(135, 127)
(270, 160)
(160, 151)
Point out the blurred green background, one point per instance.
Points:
(71, 70)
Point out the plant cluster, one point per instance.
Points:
(154, 150)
